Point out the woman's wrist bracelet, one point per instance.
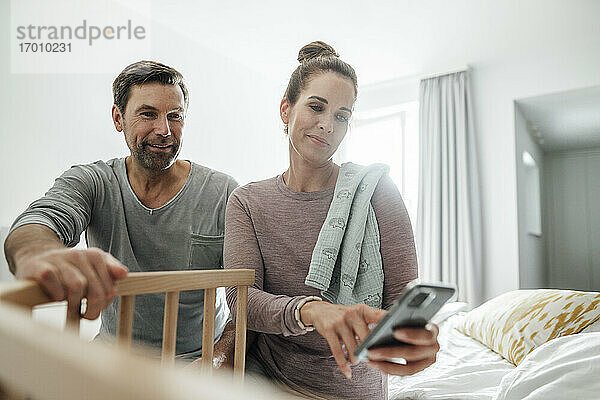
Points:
(297, 312)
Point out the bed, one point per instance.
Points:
(566, 364)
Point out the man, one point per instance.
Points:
(148, 211)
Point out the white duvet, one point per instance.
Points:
(564, 368)
(465, 369)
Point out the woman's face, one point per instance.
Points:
(318, 121)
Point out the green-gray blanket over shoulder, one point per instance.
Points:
(346, 263)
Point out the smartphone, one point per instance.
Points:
(417, 304)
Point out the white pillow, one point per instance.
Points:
(515, 323)
(448, 310)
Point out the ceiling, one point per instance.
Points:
(386, 40)
(566, 120)
(382, 39)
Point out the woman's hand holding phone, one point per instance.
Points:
(347, 325)
(418, 347)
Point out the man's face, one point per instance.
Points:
(153, 124)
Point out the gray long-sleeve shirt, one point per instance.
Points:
(273, 229)
(185, 233)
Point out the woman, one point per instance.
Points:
(274, 226)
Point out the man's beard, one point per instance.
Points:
(152, 160)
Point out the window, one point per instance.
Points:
(391, 136)
(532, 199)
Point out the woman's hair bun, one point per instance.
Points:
(314, 50)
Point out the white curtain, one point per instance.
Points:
(449, 214)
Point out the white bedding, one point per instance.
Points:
(465, 369)
(563, 368)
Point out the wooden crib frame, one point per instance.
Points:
(29, 294)
(38, 362)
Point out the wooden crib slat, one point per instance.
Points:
(125, 324)
(169, 281)
(241, 316)
(170, 327)
(73, 317)
(208, 330)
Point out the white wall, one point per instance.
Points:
(573, 193)
(52, 121)
(569, 64)
(4, 271)
(496, 83)
(532, 263)
(387, 93)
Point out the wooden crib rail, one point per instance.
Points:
(42, 363)
(29, 294)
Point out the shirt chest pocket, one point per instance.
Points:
(206, 251)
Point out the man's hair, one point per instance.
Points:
(145, 72)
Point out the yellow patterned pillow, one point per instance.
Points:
(515, 323)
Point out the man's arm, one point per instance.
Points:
(37, 248)
(224, 352)
(34, 251)
(29, 240)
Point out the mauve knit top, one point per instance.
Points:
(273, 230)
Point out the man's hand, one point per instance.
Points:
(69, 274)
(63, 273)
(224, 350)
(419, 348)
